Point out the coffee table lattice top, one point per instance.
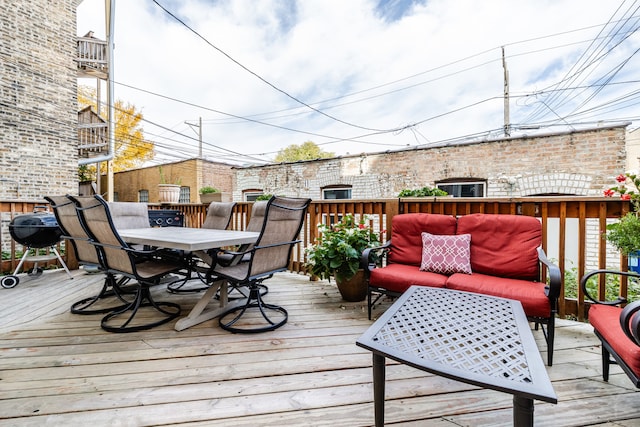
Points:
(481, 337)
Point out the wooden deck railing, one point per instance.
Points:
(572, 227)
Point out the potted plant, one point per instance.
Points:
(423, 192)
(625, 234)
(210, 194)
(337, 253)
(168, 192)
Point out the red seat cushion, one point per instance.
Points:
(606, 320)
(503, 245)
(398, 277)
(406, 235)
(530, 294)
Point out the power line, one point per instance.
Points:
(266, 81)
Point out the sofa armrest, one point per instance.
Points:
(586, 277)
(370, 256)
(555, 277)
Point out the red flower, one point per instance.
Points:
(621, 178)
(362, 226)
(609, 193)
(625, 196)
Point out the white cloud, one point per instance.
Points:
(441, 56)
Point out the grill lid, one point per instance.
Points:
(36, 230)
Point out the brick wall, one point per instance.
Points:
(38, 113)
(193, 173)
(579, 163)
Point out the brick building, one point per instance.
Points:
(38, 113)
(142, 184)
(568, 163)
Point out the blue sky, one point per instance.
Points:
(365, 75)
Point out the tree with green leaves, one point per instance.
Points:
(306, 151)
(131, 148)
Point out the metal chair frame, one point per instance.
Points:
(281, 226)
(118, 257)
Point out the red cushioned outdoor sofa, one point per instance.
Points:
(617, 328)
(498, 255)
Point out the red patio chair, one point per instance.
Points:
(617, 328)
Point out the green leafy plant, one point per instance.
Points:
(625, 234)
(208, 190)
(612, 286)
(338, 249)
(423, 192)
(264, 197)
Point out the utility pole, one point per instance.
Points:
(199, 125)
(507, 125)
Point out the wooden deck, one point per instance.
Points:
(62, 369)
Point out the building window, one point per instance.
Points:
(252, 195)
(335, 193)
(185, 195)
(143, 196)
(463, 188)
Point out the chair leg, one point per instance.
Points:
(267, 311)
(606, 363)
(551, 328)
(110, 288)
(143, 298)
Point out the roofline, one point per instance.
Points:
(449, 143)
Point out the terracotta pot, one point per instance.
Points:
(354, 289)
(168, 193)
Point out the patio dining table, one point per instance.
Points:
(196, 241)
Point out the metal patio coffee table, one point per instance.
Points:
(477, 339)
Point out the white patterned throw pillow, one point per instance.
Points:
(446, 254)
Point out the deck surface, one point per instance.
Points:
(57, 368)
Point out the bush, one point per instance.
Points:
(423, 192)
(612, 286)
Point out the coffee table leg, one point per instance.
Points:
(378, 388)
(522, 412)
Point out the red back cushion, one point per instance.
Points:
(406, 235)
(503, 245)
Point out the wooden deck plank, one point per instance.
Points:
(62, 369)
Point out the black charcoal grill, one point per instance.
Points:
(34, 231)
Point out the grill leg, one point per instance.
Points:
(55, 251)
(24, 257)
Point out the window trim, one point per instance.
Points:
(337, 188)
(465, 181)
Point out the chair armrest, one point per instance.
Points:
(585, 278)
(367, 259)
(555, 277)
(630, 322)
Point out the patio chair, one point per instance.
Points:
(87, 255)
(128, 215)
(617, 328)
(118, 257)
(219, 215)
(218, 218)
(281, 226)
(255, 225)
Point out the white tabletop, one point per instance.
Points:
(185, 238)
